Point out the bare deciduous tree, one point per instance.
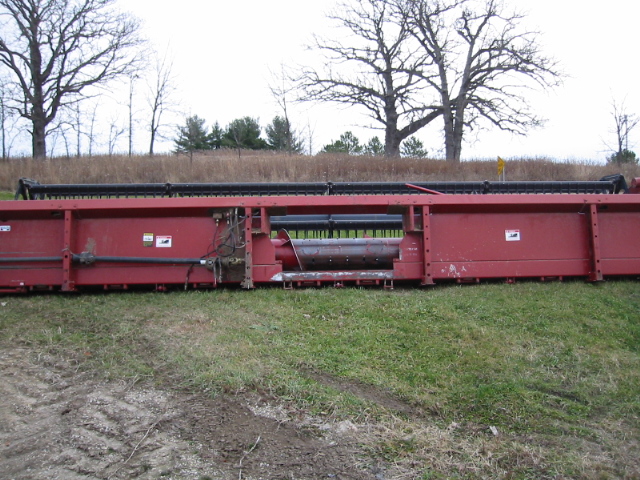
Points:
(160, 89)
(54, 49)
(483, 63)
(380, 71)
(624, 123)
(410, 61)
(282, 90)
(60, 131)
(310, 132)
(76, 122)
(132, 79)
(91, 136)
(115, 132)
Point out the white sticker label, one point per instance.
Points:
(163, 241)
(147, 240)
(5, 228)
(512, 235)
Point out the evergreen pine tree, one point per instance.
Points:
(193, 136)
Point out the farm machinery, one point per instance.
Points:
(197, 236)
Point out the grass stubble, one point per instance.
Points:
(532, 380)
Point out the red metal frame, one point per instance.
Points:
(71, 244)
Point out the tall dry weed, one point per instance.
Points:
(223, 166)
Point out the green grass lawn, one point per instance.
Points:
(553, 367)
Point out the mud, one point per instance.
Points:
(59, 422)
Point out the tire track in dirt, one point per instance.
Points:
(58, 422)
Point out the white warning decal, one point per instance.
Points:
(163, 241)
(5, 228)
(147, 240)
(512, 235)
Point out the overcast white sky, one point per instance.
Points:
(224, 52)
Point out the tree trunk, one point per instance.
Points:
(453, 144)
(392, 141)
(3, 119)
(39, 139)
(453, 131)
(152, 141)
(37, 115)
(131, 79)
(392, 136)
(449, 137)
(153, 128)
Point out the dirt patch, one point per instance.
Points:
(366, 392)
(58, 422)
